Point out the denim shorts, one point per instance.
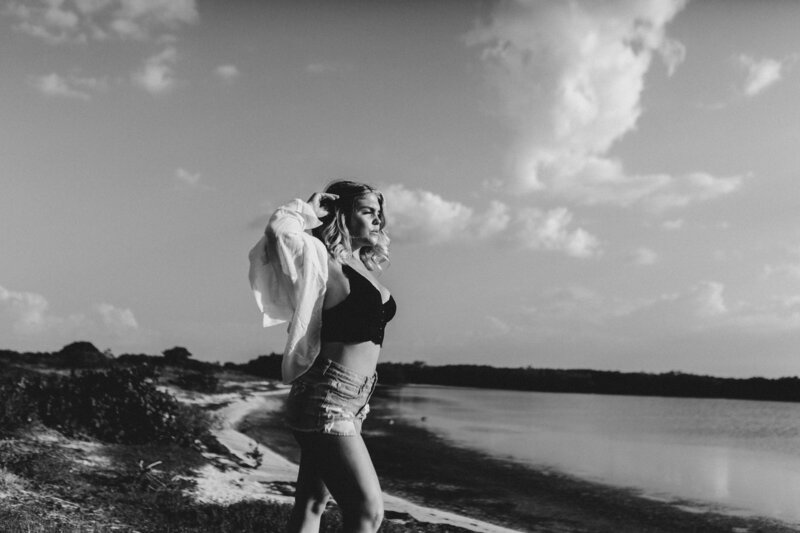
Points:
(329, 398)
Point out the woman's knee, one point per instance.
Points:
(311, 504)
(370, 512)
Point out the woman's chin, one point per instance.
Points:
(370, 239)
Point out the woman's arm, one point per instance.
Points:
(287, 241)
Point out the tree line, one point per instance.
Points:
(676, 384)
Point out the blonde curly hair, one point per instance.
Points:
(334, 231)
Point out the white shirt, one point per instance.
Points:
(288, 275)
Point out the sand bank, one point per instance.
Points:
(253, 471)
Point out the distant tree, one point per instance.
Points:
(177, 356)
(81, 354)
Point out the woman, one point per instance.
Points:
(324, 285)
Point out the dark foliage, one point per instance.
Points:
(205, 382)
(140, 359)
(593, 381)
(177, 356)
(17, 403)
(264, 366)
(81, 354)
(119, 405)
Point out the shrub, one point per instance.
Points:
(17, 402)
(197, 381)
(81, 354)
(119, 405)
(177, 356)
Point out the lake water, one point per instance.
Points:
(741, 455)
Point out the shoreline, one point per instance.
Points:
(266, 474)
(423, 468)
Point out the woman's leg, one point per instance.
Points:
(345, 467)
(311, 494)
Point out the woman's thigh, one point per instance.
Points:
(344, 465)
(310, 486)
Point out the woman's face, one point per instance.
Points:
(365, 223)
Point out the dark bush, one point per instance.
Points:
(177, 356)
(18, 403)
(197, 381)
(81, 354)
(119, 405)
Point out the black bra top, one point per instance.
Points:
(361, 316)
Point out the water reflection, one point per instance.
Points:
(743, 455)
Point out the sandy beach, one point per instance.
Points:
(241, 477)
(428, 481)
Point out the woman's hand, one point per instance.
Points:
(320, 202)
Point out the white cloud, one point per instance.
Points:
(48, 20)
(59, 21)
(549, 230)
(673, 53)
(694, 187)
(644, 256)
(495, 220)
(227, 72)
(569, 76)
(188, 178)
(789, 268)
(673, 225)
(54, 85)
(423, 216)
(88, 7)
(497, 327)
(156, 75)
(27, 311)
(704, 306)
(29, 315)
(708, 299)
(115, 318)
(761, 73)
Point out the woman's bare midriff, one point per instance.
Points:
(361, 358)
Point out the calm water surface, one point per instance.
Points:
(742, 455)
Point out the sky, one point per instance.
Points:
(569, 184)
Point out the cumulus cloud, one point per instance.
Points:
(187, 178)
(115, 318)
(705, 306)
(157, 75)
(55, 85)
(673, 53)
(227, 72)
(29, 316)
(708, 299)
(569, 77)
(26, 311)
(60, 21)
(761, 73)
(644, 256)
(690, 188)
(771, 316)
(81, 88)
(787, 268)
(423, 216)
(672, 225)
(550, 230)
